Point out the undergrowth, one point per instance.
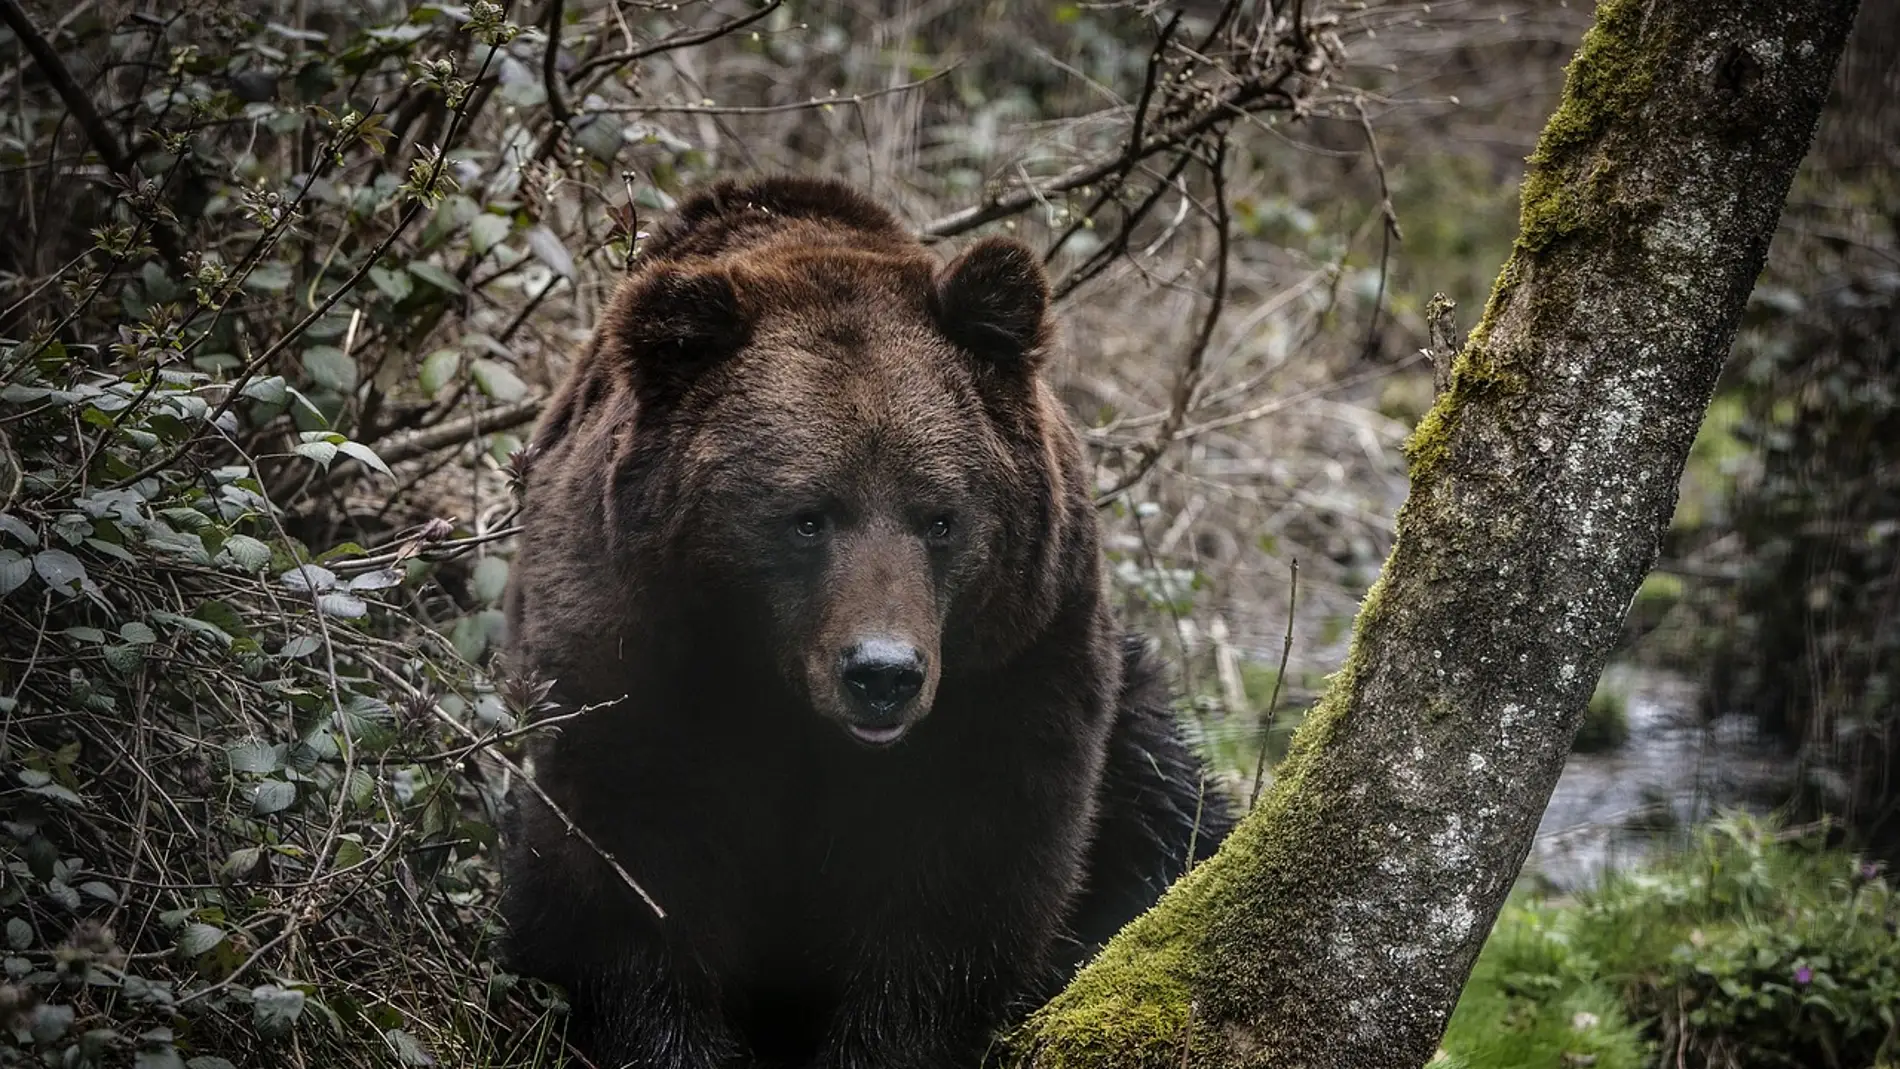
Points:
(1758, 947)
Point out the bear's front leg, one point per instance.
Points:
(640, 1015)
(935, 1011)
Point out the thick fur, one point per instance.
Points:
(782, 359)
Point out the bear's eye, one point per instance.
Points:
(808, 527)
(939, 529)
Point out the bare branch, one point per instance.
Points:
(453, 432)
(1190, 377)
(813, 104)
(673, 43)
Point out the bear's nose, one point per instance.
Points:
(882, 676)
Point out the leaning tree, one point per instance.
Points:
(1338, 924)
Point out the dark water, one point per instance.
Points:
(1610, 809)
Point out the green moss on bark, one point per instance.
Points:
(1133, 1006)
(1569, 189)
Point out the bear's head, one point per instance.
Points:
(840, 467)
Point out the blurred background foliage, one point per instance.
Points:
(282, 283)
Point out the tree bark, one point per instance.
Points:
(1338, 924)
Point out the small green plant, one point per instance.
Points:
(1757, 947)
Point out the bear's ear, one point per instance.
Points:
(675, 324)
(994, 301)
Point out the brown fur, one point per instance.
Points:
(784, 359)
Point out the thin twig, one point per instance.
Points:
(1391, 231)
(770, 109)
(673, 43)
(1190, 376)
(1235, 101)
(87, 116)
(550, 74)
(553, 807)
(1273, 700)
(502, 738)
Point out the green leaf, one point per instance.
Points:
(14, 570)
(165, 1057)
(62, 892)
(100, 891)
(123, 659)
(496, 381)
(275, 1009)
(273, 796)
(273, 277)
(248, 553)
(111, 549)
(380, 579)
(489, 579)
(137, 633)
(330, 367)
(239, 863)
(19, 529)
(321, 452)
(19, 934)
(547, 247)
(60, 570)
(394, 285)
(435, 276)
(199, 939)
(342, 606)
(209, 1061)
(409, 1050)
(308, 577)
(365, 456)
(487, 229)
(350, 853)
(255, 757)
(49, 1023)
(301, 646)
(221, 616)
(361, 788)
(271, 391)
(438, 369)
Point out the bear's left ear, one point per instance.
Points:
(994, 301)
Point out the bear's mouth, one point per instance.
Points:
(880, 736)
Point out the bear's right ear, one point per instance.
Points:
(994, 301)
(677, 323)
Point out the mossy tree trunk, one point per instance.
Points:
(1338, 924)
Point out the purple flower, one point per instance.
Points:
(1869, 870)
(1803, 975)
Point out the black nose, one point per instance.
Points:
(883, 676)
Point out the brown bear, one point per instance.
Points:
(814, 547)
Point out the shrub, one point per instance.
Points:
(278, 283)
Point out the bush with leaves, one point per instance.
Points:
(279, 283)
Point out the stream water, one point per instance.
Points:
(1609, 809)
